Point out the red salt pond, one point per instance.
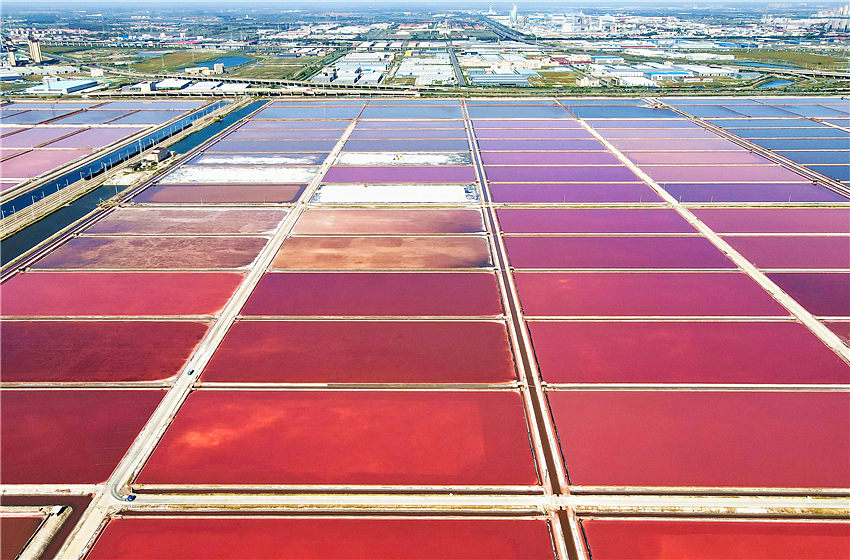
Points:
(153, 253)
(188, 220)
(596, 220)
(85, 351)
(840, 328)
(259, 538)
(794, 252)
(377, 253)
(373, 220)
(232, 194)
(75, 505)
(345, 437)
(614, 252)
(69, 437)
(363, 352)
(661, 539)
(824, 294)
(117, 293)
(16, 530)
(775, 220)
(683, 352)
(375, 294)
(644, 294)
(704, 439)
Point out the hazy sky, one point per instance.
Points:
(239, 4)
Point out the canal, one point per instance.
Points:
(31, 236)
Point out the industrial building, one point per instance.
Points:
(35, 50)
(512, 79)
(433, 66)
(57, 86)
(357, 67)
(172, 84)
(638, 74)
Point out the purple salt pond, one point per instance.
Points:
(273, 146)
(398, 174)
(695, 158)
(708, 173)
(407, 145)
(531, 133)
(575, 193)
(613, 133)
(409, 134)
(295, 125)
(569, 145)
(595, 220)
(93, 117)
(36, 162)
(674, 144)
(574, 174)
(32, 137)
(752, 192)
(409, 124)
(277, 134)
(549, 158)
(776, 220)
(546, 124)
(95, 137)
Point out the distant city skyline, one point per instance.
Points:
(505, 5)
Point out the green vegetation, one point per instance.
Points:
(64, 50)
(794, 58)
(8, 87)
(406, 81)
(427, 35)
(170, 61)
(380, 34)
(279, 68)
(557, 79)
(177, 60)
(481, 34)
